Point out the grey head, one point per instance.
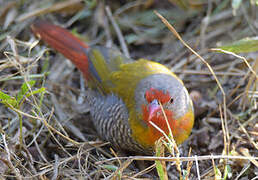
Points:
(180, 100)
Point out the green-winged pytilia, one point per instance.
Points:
(125, 96)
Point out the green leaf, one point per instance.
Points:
(160, 170)
(91, 3)
(110, 167)
(37, 91)
(218, 174)
(4, 96)
(227, 172)
(131, 38)
(246, 45)
(236, 4)
(160, 165)
(24, 89)
(7, 100)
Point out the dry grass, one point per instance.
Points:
(45, 129)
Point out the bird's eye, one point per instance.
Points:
(171, 100)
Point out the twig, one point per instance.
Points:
(238, 56)
(172, 159)
(197, 167)
(10, 164)
(119, 33)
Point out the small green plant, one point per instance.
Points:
(15, 102)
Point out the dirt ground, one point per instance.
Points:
(45, 126)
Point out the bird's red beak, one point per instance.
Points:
(153, 108)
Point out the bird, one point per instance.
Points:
(133, 103)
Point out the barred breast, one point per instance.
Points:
(110, 118)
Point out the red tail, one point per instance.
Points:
(64, 42)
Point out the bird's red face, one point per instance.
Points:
(162, 103)
(152, 112)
